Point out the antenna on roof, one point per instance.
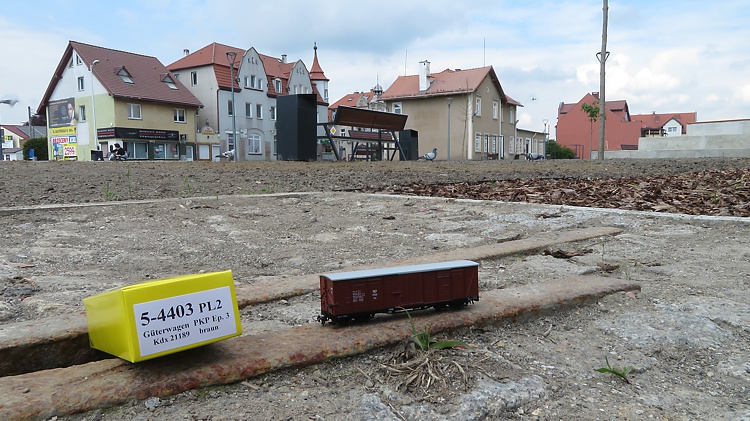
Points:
(484, 52)
(406, 54)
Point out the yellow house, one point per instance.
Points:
(463, 113)
(99, 97)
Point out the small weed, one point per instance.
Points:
(424, 341)
(608, 369)
(109, 194)
(187, 185)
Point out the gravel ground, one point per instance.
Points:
(685, 335)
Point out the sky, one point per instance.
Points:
(666, 56)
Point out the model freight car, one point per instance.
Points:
(359, 295)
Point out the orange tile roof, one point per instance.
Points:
(350, 100)
(447, 82)
(619, 107)
(146, 72)
(215, 55)
(654, 120)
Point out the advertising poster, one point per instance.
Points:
(62, 113)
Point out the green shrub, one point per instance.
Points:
(556, 151)
(39, 145)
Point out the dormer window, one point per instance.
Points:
(125, 75)
(277, 85)
(169, 81)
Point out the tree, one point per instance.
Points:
(556, 151)
(39, 145)
(592, 110)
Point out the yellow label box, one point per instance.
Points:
(151, 319)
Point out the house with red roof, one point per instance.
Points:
(99, 96)
(577, 131)
(259, 80)
(465, 114)
(665, 125)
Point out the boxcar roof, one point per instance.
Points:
(396, 270)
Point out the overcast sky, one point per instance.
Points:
(665, 56)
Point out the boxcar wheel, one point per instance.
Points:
(459, 304)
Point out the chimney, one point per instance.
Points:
(186, 52)
(283, 58)
(595, 95)
(424, 74)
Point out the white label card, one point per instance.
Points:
(187, 319)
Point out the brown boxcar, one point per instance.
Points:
(360, 294)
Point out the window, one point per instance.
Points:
(230, 140)
(166, 151)
(253, 145)
(259, 111)
(478, 142)
(478, 110)
(273, 113)
(134, 111)
(169, 81)
(277, 85)
(248, 110)
(248, 81)
(255, 83)
(179, 115)
(136, 150)
(193, 78)
(81, 113)
(230, 107)
(78, 60)
(495, 108)
(671, 129)
(494, 143)
(486, 143)
(81, 84)
(512, 116)
(125, 75)
(397, 108)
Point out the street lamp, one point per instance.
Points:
(449, 100)
(93, 104)
(231, 57)
(10, 102)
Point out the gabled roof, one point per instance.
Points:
(618, 107)
(146, 73)
(214, 55)
(316, 72)
(655, 121)
(280, 69)
(350, 100)
(447, 82)
(23, 131)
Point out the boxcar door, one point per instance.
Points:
(444, 289)
(459, 283)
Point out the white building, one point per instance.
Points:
(259, 80)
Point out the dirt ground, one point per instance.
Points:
(685, 335)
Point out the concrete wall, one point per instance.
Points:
(711, 139)
(734, 127)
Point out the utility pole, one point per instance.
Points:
(602, 56)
